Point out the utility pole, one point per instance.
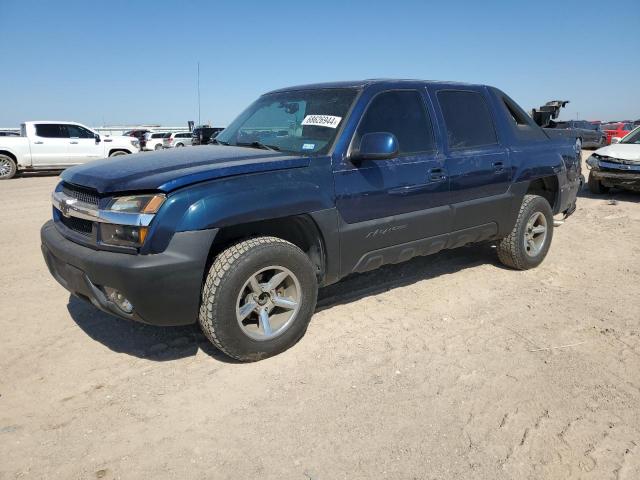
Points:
(199, 123)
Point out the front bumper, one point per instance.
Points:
(626, 180)
(621, 174)
(164, 288)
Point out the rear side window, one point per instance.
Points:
(157, 135)
(403, 114)
(467, 118)
(51, 130)
(167, 135)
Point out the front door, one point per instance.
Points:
(82, 145)
(387, 205)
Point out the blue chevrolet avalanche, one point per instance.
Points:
(308, 185)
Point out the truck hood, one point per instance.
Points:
(622, 151)
(172, 169)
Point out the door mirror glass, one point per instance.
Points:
(376, 146)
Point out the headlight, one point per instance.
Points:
(130, 235)
(592, 161)
(137, 203)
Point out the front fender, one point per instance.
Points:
(242, 199)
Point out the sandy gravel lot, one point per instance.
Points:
(445, 367)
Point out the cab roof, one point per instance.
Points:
(365, 83)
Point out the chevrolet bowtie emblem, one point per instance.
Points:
(65, 206)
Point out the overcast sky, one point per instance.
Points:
(115, 62)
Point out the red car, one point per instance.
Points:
(618, 129)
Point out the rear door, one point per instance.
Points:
(82, 145)
(49, 145)
(477, 163)
(384, 204)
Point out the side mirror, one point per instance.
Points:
(615, 140)
(97, 137)
(376, 146)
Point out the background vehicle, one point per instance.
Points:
(203, 135)
(153, 141)
(305, 187)
(140, 134)
(617, 165)
(180, 139)
(546, 116)
(589, 134)
(8, 133)
(616, 129)
(49, 145)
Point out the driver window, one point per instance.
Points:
(403, 114)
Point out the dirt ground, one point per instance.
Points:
(444, 367)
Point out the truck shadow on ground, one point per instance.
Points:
(613, 195)
(171, 343)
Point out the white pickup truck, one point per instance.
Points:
(57, 145)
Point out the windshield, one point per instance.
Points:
(302, 122)
(633, 137)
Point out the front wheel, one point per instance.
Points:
(8, 167)
(179, 145)
(529, 241)
(117, 153)
(258, 298)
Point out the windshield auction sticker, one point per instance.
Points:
(322, 121)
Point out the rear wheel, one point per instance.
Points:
(159, 146)
(596, 186)
(529, 241)
(117, 153)
(8, 167)
(258, 298)
(179, 145)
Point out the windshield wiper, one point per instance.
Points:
(263, 146)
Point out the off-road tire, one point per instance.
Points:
(596, 186)
(229, 271)
(11, 166)
(511, 251)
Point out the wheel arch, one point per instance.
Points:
(116, 149)
(547, 187)
(301, 230)
(10, 155)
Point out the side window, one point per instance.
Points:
(51, 130)
(403, 114)
(76, 131)
(467, 119)
(523, 125)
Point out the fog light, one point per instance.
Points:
(120, 300)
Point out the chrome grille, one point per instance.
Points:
(82, 194)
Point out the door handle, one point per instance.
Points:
(498, 166)
(73, 143)
(437, 175)
(38, 143)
